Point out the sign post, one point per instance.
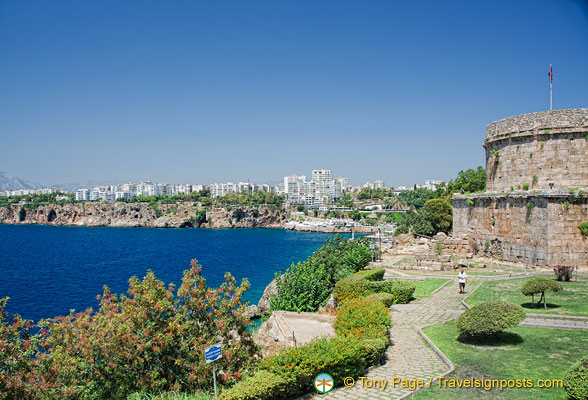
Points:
(211, 354)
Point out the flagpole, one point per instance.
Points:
(550, 88)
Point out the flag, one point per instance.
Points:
(550, 73)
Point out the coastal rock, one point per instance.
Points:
(120, 214)
(263, 306)
(252, 311)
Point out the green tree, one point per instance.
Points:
(540, 285)
(439, 213)
(469, 181)
(354, 215)
(22, 213)
(417, 198)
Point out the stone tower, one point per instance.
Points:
(536, 191)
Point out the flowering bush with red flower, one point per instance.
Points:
(148, 341)
(19, 375)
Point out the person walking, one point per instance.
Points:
(462, 279)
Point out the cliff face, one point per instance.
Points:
(244, 217)
(140, 214)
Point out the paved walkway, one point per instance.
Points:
(409, 356)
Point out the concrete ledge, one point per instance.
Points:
(440, 287)
(553, 316)
(439, 353)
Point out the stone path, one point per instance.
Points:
(409, 356)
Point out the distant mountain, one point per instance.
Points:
(8, 182)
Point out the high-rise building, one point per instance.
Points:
(322, 175)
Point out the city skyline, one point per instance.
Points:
(203, 92)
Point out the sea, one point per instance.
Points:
(49, 270)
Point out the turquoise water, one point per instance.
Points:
(48, 270)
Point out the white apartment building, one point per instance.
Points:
(322, 189)
(322, 175)
(430, 184)
(82, 194)
(123, 195)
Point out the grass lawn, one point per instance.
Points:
(570, 301)
(522, 352)
(425, 287)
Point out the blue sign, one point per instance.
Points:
(213, 353)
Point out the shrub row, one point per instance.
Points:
(368, 275)
(352, 289)
(386, 298)
(361, 327)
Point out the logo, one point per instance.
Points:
(323, 383)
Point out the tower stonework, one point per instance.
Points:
(536, 191)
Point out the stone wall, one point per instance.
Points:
(536, 182)
(538, 228)
(538, 149)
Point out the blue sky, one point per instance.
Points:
(201, 91)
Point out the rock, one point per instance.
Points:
(252, 311)
(263, 306)
(464, 264)
(119, 214)
(445, 258)
(440, 237)
(404, 238)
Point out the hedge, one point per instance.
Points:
(350, 289)
(368, 275)
(490, 318)
(386, 298)
(576, 380)
(271, 385)
(361, 327)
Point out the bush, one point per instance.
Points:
(361, 326)
(540, 285)
(563, 272)
(339, 357)
(364, 318)
(170, 396)
(303, 288)
(576, 380)
(349, 289)
(369, 275)
(306, 286)
(150, 341)
(19, 377)
(584, 228)
(386, 298)
(262, 385)
(490, 318)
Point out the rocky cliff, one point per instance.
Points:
(119, 214)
